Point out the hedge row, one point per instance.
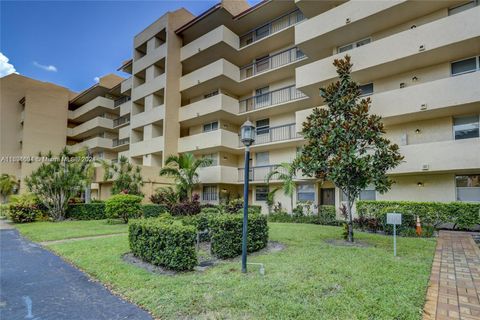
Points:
(164, 242)
(226, 234)
(326, 216)
(462, 215)
(96, 211)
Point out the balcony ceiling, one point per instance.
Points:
(312, 8)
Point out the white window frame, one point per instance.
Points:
(266, 194)
(314, 192)
(456, 187)
(367, 94)
(211, 126)
(213, 157)
(353, 44)
(453, 126)
(212, 195)
(477, 67)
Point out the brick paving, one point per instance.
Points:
(454, 287)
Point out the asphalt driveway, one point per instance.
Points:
(36, 284)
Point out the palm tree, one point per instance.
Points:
(126, 177)
(183, 168)
(286, 173)
(8, 185)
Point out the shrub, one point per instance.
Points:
(326, 216)
(226, 234)
(123, 206)
(164, 242)
(86, 211)
(233, 206)
(24, 208)
(166, 196)
(462, 215)
(186, 208)
(153, 210)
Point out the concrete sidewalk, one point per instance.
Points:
(36, 284)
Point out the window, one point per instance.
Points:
(366, 89)
(261, 193)
(462, 7)
(210, 126)
(263, 126)
(353, 45)
(306, 192)
(468, 187)
(262, 64)
(262, 159)
(209, 193)
(464, 66)
(213, 157)
(368, 193)
(262, 98)
(466, 127)
(210, 94)
(262, 31)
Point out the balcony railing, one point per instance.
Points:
(271, 27)
(120, 142)
(258, 173)
(274, 134)
(271, 62)
(120, 101)
(271, 98)
(121, 120)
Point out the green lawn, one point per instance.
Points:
(46, 231)
(310, 279)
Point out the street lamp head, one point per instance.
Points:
(247, 133)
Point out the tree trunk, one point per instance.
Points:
(350, 219)
(291, 203)
(88, 193)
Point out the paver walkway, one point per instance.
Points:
(454, 287)
(36, 284)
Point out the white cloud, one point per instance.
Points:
(49, 68)
(5, 67)
(96, 79)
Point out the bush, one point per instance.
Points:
(123, 206)
(226, 234)
(186, 208)
(326, 216)
(86, 211)
(164, 242)
(233, 206)
(153, 210)
(24, 208)
(462, 215)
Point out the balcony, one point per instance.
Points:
(118, 102)
(150, 58)
(153, 115)
(271, 62)
(154, 145)
(126, 85)
(120, 144)
(271, 27)
(209, 141)
(208, 109)
(257, 174)
(92, 144)
(149, 87)
(90, 127)
(443, 97)
(95, 107)
(444, 156)
(272, 98)
(401, 52)
(275, 134)
(218, 174)
(121, 121)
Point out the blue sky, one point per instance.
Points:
(72, 42)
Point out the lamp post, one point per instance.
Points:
(247, 136)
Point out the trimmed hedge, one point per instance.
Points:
(462, 215)
(326, 216)
(226, 234)
(86, 211)
(164, 242)
(153, 210)
(123, 206)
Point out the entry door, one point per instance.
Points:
(327, 196)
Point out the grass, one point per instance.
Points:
(310, 279)
(47, 231)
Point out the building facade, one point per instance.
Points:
(192, 82)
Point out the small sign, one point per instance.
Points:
(394, 218)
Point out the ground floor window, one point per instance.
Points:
(468, 187)
(368, 193)
(261, 193)
(209, 193)
(306, 192)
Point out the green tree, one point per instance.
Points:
(286, 172)
(345, 144)
(8, 185)
(126, 177)
(55, 183)
(183, 168)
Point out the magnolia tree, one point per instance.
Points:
(57, 181)
(346, 144)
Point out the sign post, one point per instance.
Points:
(394, 218)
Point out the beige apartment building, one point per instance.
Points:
(193, 81)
